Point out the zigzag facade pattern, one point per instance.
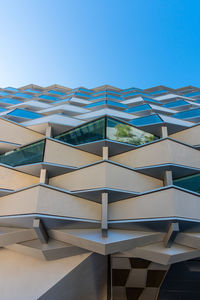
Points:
(92, 174)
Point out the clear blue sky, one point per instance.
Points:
(125, 43)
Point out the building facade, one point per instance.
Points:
(99, 193)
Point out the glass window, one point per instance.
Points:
(104, 102)
(56, 93)
(10, 101)
(125, 133)
(21, 95)
(153, 119)
(188, 114)
(3, 93)
(47, 97)
(32, 91)
(29, 154)
(22, 113)
(138, 108)
(89, 132)
(9, 88)
(106, 128)
(191, 183)
(158, 92)
(176, 103)
(192, 94)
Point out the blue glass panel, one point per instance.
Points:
(152, 100)
(103, 96)
(24, 114)
(192, 94)
(86, 133)
(106, 103)
(125, 133)
(4, 93)
(130, 90)
(9, 100)
(176, 103)
(158, 92)
(106, 92)
(9, 88)
(153, 119)
(56, 93)
(47, 97)
(85, 90)
(22, 95)
(33, 91)
(189, 182)
(188, 114)
(138, 108)
(136, 93)
(29, 154)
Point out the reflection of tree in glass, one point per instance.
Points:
(125, 133)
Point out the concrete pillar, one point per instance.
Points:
(43, 176)
(105, 153)
(168, 178)
(104, 214)
(164, 132)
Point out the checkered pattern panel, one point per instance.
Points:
(136, 279)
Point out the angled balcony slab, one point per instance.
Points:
(14, 133)
(12, 179)
(113, 194)
(188, 239)
(67, 154)
(42, 199)
(158, 253)
(163, 203)
(116, 240)
(114, 147)
(52, 169)
(165, 151)
(7, 146)
(178, 171)
(51, 251)
(9, 235)
(105, 174)
(188, 136)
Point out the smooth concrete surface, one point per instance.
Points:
(164, 203)
(12, 179)
(188, 136)
(161, 152)
(15, 133)
(88, 281)
(27, 278)
(105, 175)
(60, 153)
(43, 200)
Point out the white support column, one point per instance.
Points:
(43, 176)
(168, 179)
(40, 231)
(105, 153)
(171, 234)
(164, 132)
(49, 131)
(104, 214)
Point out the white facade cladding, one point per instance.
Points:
(93, 182)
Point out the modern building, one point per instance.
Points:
(99, 193)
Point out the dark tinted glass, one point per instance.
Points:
(25, 155)
(89, 132)
(189, 182)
